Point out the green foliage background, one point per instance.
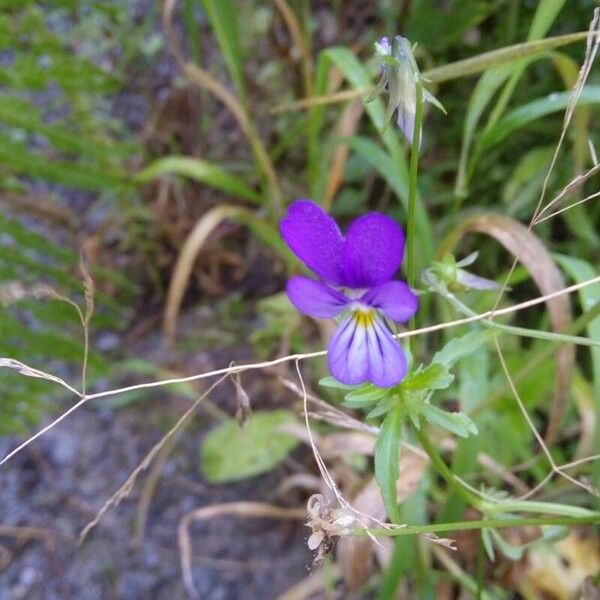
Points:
(62, 68)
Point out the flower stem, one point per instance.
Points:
(478, 524)
(491, 506)
(412, 194)
(442, 468)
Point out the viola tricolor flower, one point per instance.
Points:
(399, 76)
(355, 283)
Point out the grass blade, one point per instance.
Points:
(199, 170)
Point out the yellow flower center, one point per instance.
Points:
(364, 318)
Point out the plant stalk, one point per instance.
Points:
(479, 524)
(412, 195)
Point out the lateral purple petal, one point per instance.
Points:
(314, 237)
(373, 250)
(314, 298)
(359, 353)
(394, 299)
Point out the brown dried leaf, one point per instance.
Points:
(347, 126)
(186, 259)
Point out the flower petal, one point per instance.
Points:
(387, 362)
(373, 250)
(394, 299)
(314, 237)
(363, 349)
(347, 352)
(314, 298)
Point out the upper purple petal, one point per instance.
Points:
(314, 237)
(314, 298)
(372, 251)
(394, 299)
(359, 353)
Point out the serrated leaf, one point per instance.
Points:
(434, 377)
(462, 346)
(230, 453)
(387, 465)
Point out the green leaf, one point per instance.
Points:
(360, 78)
(523, 188)
(522, 116)
(222, 15)
(474, 379)
(365, 395)
(434, 377)
(387, 465)
(509, 550)
(488, 545)
(456, 422)
(490, 82)
(461, 346)
(199, 170)
(496, 58)
(383, 406)
(332, 382)
(231, 453)
(589, 296)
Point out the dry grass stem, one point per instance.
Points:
(204, 80)
(186, 259)
(571, 187)
(327, 478)
(592, 42)
(31, 372)
(565, 208)
(126, 488)
(555, 468)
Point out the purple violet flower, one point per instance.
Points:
(356, 282)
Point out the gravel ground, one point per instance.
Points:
(60, 482)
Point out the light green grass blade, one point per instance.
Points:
(523, 115)
(487, 86)
(222, 15)
(199, 170)
(495, 58)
